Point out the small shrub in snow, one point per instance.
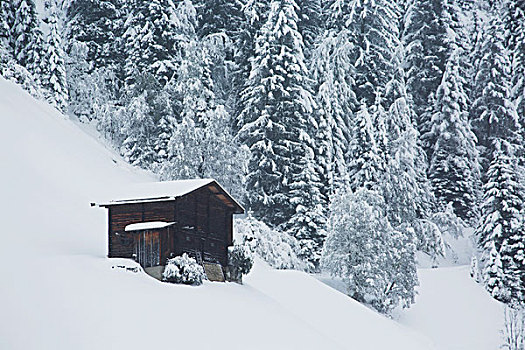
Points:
(474, 269)
(277, 248)
(183, 269)
(240, 261)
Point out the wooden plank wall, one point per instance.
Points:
(120, 242)
(203, 223)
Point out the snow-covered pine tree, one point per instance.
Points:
(310, 23)
(493, 112)
(426, 38)
(27, 37)
(218, 16)
(6, 18)
(501, 235)
(405, 186)
(376, 263)
(515, 41)
(99, 25)
(331, 63)
(454, 160)
(276, 119)
(151, 41)
(254, 15)
(54, 72)
(137, 147)
(367, 162)
(308, 223)
(373, 26)
(6, 50)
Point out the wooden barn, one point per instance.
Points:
(166, 219)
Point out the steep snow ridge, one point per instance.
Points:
(58, 290)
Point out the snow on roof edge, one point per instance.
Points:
(150, 225)
(161, 191)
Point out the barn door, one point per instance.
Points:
(147, 248)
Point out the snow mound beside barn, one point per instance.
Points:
(59, 291)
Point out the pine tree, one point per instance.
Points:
(500, 235)
(218, 16)
(201, 143)
(427, 41)
(99, 25)
(493, 113)
(332, 70)
(515, 41)
(137, 147)
(310, 23)
(373, 29)
(367, 161)
(6, 18)
(405, 186)
(54, 76)
(276, 119)
(254, 15)
(454, 160)
(27, 37)
(151, 40)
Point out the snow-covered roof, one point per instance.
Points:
(147, 225)
(163, 191)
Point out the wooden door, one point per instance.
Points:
(147, 248)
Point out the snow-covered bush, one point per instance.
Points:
(375, 261)
(183, 269)
(277, 248)
(240, 261)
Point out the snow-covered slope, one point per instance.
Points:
(454, 311)
(58, 291)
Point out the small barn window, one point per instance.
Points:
(212, 245)
(188, 238)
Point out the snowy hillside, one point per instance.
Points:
(58, 290)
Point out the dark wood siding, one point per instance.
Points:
(203, 226)
(121, 242)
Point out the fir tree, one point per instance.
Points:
(151, 40)
(367, 160)
(99, 25)
(454, 160)
(27, 37)
(6, 48)
(218, 16)
(310, 23)
(427, 41)
(493, 113)
(500, 235)
(373, 29)
(54, 68)
(6, 19)
(332, 70)
(515, 41)
(137, 147)
(276, 120)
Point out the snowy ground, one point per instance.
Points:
(454, 311)
(58, 290)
